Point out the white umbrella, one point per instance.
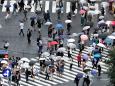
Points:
(4, 62)
(71, 45)
(42, 59)
(108, 23)
(100, 22)
(45, 54)
(33, 59)
(0, 26)
(85, 7)
(86, 27)
(25, 59)
(27, 6)
(92, 7)
(101, 45)
(48, 23)
(95, 35)
(61, 49)
(71, 40)
(74, 34)
(101, 17)
(92, 0)
(68, 21)
(25, 65)
(111, 37)
(105, 4)
(83, 1)
(97, 11)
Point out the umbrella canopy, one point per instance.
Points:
(61, 49)
(86, 70)
(111, 37)
(92, 0)
(27, 6)
(83, 1)
(59, 26)
(47, 62)
(101, 45)
(4, 62)
(92, 7)
(74, 34)
(33, 17)
(95, 35)
(31, 63)
(33, 59)
(108, 23)
(100, 22)
(54, 43)
(85, 7)
(84, 37)
(25, 65)
(85, 56)
(45, 54)
(48, 23)
(71, 45)
(105, 4)
(82, 11)
(42, 58)
(86, 27)
(93, 72)
(71, 40)
(25, 59)
(102, 25)
(101, 17)
(113, 23)
(79, 75)
(103, 36)
(68, 21)
(8, 5)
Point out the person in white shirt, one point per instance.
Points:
(21, 28)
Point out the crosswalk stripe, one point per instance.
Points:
(54, 7)
(68, 7)
(3, 7)
(47, 6)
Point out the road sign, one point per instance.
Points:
(6, 72)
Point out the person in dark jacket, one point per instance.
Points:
(99, 70)
(69, 16)
(29, 36)
(68, 27)
(73, 7)
(21, 5)
(76, 81)
(27, 73)
(86, 80)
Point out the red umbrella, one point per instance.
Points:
(113, 23)
(82, 11)
(54, 43)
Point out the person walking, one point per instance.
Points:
(32, 24)
(86, 81)
(21, 28)
(59, 14)
(99, 70)
(71, 63)
(6, 45)
(29, 36)
(68, 28)
(17, 78)
(69, 53)
(47, 73)
(25, 14)
(15, 7)
(73, 7)
(27, 73)
(79, 59)
(76, 80)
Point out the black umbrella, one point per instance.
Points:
(103, 36)
(31, 63)
(102, 25)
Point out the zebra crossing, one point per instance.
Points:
(46, 5)
(67, 75)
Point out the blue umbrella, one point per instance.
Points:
(85, 56)
(93, 72)
(59, 26)
(8, 5)
(79, 75)
(31, 18)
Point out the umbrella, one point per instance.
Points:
(25, 59)
(25, 65)
(105, 4)
(101, 45)
(95, 35)
(113, 23)
(4, 62)
(102, 25)
(61, 49)
(103, 36)
(84, 37)
(97, 11)
(85, 8)
(48, 23)
(32, 18)
(86, 27)
(92, 0)
(68, 21)
(74, 34)
(71, 40)
(111, 37)
(108, 23)
(33, 59)
(86, 70)
(54, 43)
(0, 26)
(101, 17)
(59, 26)
(45, 54)
(47, 62)
(82, 11)
(31, 63)
(85, 56)
(42, 59)
(8, 5)
(71, 45)
(93, 72)
(92, 7)
(83, 1)
(27, 7)
(79, 75)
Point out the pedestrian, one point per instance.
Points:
(25, 14)
(6, 45)
(76, 81)
(18, 77)
(79, 59)
(21, 28)
(102, 11)
(47, 73)
(2, 2)
(69, 28)
(69, 53)
(21, 5)
(82, 19)
(48, 16)
(45, 16)
(29, 36)
(86, 81)
(15, 7)
(73, 7)
(38, 23)
(99, 70)
(69, 16)
(32, 24)
(59, 14)
(27, 73)
(71, 63)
